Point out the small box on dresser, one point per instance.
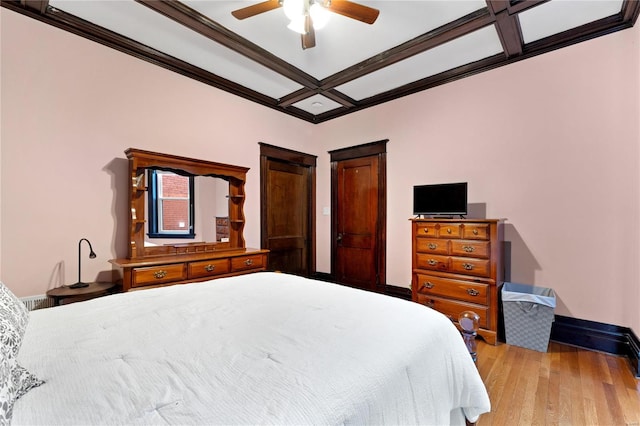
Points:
(457, 266)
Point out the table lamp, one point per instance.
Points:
(92, 255)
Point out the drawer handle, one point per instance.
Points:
(426, 230)
(467, 266)
(472, 292)
(209, 268)
(160, 274)
(433, 246)
(432, 262)
(448, 230)
(428, 285)
(475, 232)
(429, 303)
(468, 249)
(248, 262)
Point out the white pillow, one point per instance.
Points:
(7, 389)
(14, 317)
(15, 380)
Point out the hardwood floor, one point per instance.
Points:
(565, 386)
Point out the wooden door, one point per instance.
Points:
(287, 219)
(359, 216)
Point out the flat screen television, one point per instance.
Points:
(440, 199)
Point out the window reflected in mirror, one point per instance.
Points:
(171, 205)
(179, 207)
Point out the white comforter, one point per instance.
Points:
(264, 348)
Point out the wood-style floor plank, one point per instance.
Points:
(574, 383)
(529, 389)
(564, 386)
(553, 395)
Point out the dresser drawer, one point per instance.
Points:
(453, 309)
(471, 266)
(470, 248)
(158, 274)
(208, 268)
(432, 245)
(449, 230)
(454, 289)
(244, 263)
(432, 262)
(475, 231)
(429, 229)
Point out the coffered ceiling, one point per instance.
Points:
(412, 46)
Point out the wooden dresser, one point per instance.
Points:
(150, 265)
(457, 266)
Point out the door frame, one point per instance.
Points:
(379, 149)
(272, 152)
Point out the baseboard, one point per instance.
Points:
(395, 291)
(322, 276)
(597, 336)
(634, 352)
(389, 290)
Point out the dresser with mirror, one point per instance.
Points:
(201, 238)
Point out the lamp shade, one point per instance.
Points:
(319, 15)
(297, 25)
(293, 9)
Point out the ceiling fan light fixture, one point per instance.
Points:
(319, 15)
(307, 16)
(297, 25)
(294, 9)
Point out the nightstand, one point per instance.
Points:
(96, 289)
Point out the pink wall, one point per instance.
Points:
(551, 144)
(70, 109)
(544, 143)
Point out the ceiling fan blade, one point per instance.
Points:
(249, 11)
(309, 36)
(353, 10)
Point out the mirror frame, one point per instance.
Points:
(140, 161)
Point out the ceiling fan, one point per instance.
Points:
(309, 15)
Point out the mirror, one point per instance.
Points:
(211, 213)
(218, 205)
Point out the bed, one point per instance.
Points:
(263, 348)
